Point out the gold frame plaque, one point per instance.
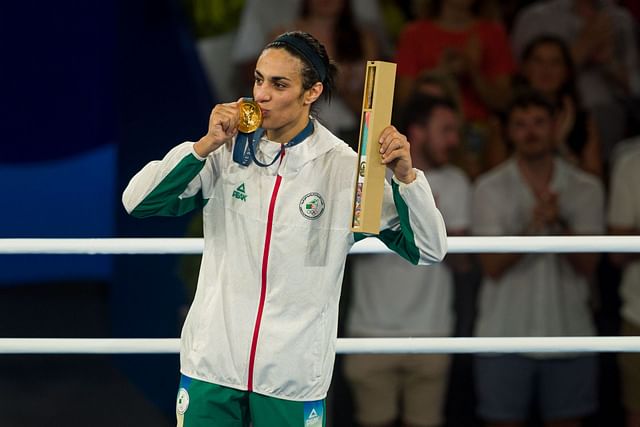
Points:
(377, 104)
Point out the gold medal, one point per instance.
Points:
(250, 116)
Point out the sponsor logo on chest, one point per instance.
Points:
(240, 193)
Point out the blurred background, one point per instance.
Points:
(90, 93)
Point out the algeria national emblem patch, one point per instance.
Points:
(311, 206)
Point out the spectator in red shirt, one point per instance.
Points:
(459, 39)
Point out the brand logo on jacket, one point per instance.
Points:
(239, 193)
(313, 413)
(311, 206)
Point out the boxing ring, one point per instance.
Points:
(168, 246)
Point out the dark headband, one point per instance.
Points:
(307, 52)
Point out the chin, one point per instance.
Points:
(267, 123)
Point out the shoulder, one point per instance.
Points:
(449, 183)
(455, 176)
(343, 151)
(579, 179)
(496, 177)
(630, 163)
(341, 159)
(336, 146)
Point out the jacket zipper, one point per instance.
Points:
(263, 286)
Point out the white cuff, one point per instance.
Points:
(196, 155)
(402, 185)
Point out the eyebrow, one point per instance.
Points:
(273, 78)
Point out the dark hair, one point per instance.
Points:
(419, 109)
(310, 73)
(445, 82)
(348, 44)
(526, 99)
(569, 85)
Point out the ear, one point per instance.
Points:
(313, 93)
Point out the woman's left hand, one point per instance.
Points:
(395, 153)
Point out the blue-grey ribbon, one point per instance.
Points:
(244, 150)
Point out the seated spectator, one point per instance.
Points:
(624, 219)
(547, 67)
(600, 35)
(480, 147)
(391, 299)
(544, 294)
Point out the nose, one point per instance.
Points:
(261, 94)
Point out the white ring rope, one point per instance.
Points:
(344, 345)
(475, 244)
(522, 244)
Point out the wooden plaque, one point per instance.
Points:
(377, 104)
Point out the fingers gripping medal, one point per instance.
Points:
(250, 116)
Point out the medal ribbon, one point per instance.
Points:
(244, 150)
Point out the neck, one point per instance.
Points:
(287, 132)
(537, 170)
(454, 17)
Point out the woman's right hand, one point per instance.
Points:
(223, 126)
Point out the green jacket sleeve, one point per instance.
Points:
(169, 187)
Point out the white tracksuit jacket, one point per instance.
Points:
(265, 313)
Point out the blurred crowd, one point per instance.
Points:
(525, 117)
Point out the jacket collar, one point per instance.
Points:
(320, 142)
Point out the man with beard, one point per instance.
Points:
(536, 193)
(392, 299)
